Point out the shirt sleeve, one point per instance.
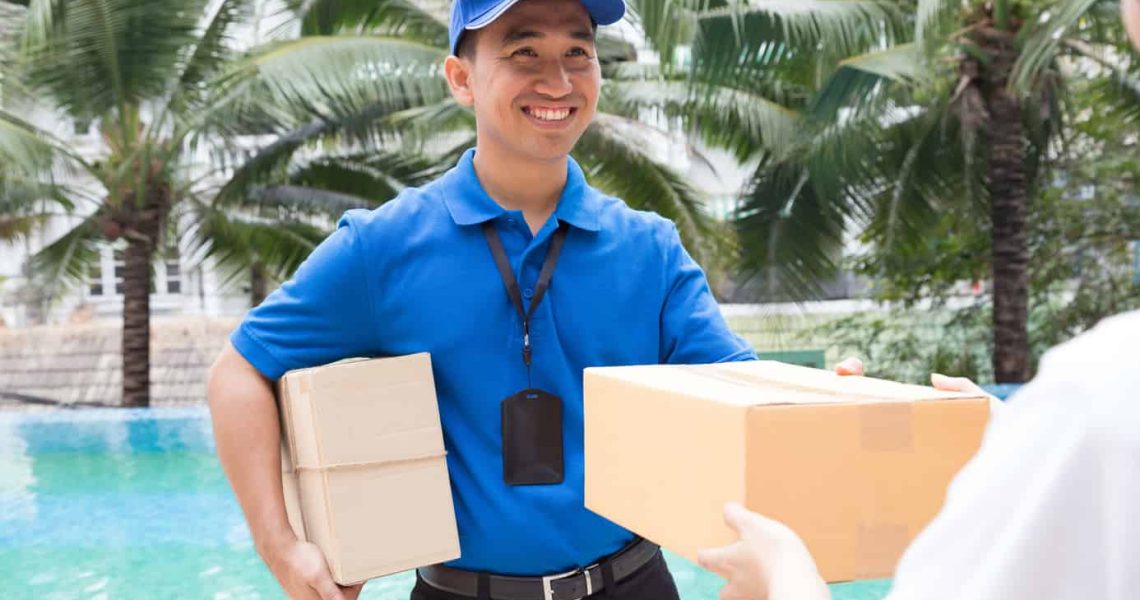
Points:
(693, 330)
(1047, 508)
(321, 315)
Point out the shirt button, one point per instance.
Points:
(528, 293)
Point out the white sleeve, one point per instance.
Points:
(1050, 505)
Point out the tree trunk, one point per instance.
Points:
(1008, 186)
(258, 284)
(144, 224)
(137, 278)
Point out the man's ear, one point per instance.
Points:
(458, 73)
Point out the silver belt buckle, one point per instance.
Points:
(548, 581)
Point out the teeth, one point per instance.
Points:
(550, 114)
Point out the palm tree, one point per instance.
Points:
(248, 155)
(907, 118)
(164, 87)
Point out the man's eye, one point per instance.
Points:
(579, 52)
(524, 52)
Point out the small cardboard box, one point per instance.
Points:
(363, 466)
(856, 466)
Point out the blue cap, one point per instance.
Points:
(476, 14)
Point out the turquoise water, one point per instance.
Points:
(133, 504)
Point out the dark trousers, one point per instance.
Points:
(652, 582)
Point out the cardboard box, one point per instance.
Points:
(856, 466)
(363, 466)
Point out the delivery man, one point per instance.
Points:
(515, 274)
(1049, 507)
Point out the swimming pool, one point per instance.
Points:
(133, 504)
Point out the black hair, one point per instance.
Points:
(466, 46)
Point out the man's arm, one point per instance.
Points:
(247, 433)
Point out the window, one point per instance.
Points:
(95, 277)
(120, 270)
(172, 276)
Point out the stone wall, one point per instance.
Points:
(81, 364)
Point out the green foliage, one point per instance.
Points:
(1084, 231)
(909, 344)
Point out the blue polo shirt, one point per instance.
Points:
(416, 275)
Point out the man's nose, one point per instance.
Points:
(554, 81)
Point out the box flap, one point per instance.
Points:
(368, 412)
(761, 382)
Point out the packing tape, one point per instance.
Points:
(887, 426)
(878, 547)
(752, 379)
(372, 463)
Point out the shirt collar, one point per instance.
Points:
(469, 203)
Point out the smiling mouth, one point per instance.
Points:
(552, 115)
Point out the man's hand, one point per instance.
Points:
(850, 366)
(853, 366)
(301, 570)
(770, 562)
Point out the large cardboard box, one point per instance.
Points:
(856, 466)
(363, 466)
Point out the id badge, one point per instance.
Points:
(532, 438)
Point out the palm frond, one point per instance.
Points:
(98, 56)
(1119, 93)
(614, 49)
(668, 24)
(739, 120)
(68, 261)
(1116, 92)
(617, 160)
(888, 173)
(375, 176)
(405, 19)
(327, 79)
(295, 198)
(270, 162)
(235, 241)
(934, 19)
(329, 185)
(31, 152)
(792, 35)
(791, 235)
(421, 124)
(1042, 44)
(211, 49)
(859, 77)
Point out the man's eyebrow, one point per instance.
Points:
(518, 35)
(585, 35)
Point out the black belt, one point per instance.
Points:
(574, 585)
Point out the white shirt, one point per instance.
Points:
(1049, 508)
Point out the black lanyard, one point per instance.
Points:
(512, 284)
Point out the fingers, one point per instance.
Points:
(736, 517)
(719, 560)
(850, 366)
(328, 589)
(732, 591)
(955, 384)
(352, 592)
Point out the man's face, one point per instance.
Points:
(533, 78)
